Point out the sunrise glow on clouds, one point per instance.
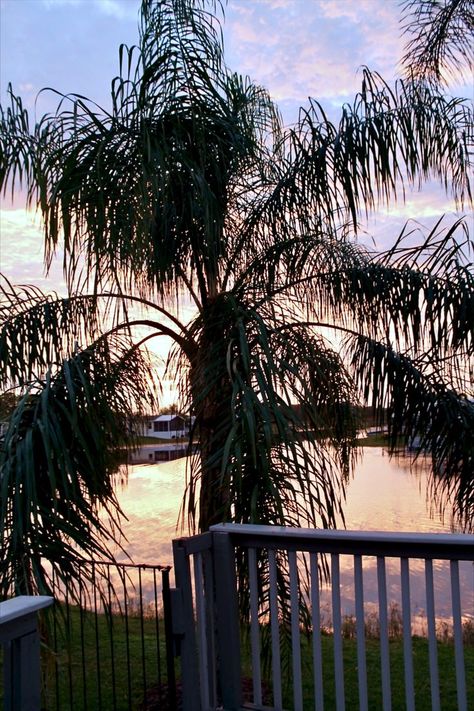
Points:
(299, 49)
(22, 250)
(294, 48)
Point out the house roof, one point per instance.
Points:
(167, 418)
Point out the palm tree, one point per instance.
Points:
(190, 191)
(441, 34)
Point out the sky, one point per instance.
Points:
(295, 48)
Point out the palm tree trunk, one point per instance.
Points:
(212, 402)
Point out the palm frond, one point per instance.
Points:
(422, 406)
(38, 331)
(419, 297)
(441, 38)
(59, 461)
(418, 294)
(333, 174)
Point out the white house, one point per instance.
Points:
(167, 427)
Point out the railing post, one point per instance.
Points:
(228, 624)
(165, 579)
(19, 637)
(185, 625)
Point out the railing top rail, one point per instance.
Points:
(195, 544)
(119, 564)
(17, 607)
(409, 544)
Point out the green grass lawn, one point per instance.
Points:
(447, 675)
(378, 440)
(103, 666)
(113, 673)
(421, 673)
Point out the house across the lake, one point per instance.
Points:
(167, 426)
(164, 427)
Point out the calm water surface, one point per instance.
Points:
(384, 495)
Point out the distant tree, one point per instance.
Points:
(170, 409)
(8, 403)
(190, 188)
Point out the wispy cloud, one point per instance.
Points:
(299, 50)
(59, 3)
(417, 215)
(21, 251)
(120, 9)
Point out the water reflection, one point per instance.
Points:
(151, 501)
(392, 495)
(384, 494)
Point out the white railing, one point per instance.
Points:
(20, 641)
(369, 573)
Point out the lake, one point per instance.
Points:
(383, 495)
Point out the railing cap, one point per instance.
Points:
(22, 605)
(443, 539)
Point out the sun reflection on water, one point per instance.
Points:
(384, 495)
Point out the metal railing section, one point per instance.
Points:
(210, 633)
(106, 643)
(110, 647)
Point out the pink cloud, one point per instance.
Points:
(315, 49)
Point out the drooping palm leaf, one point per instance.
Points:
(57, 467)
(331, 174)
(441, 38)
(422, 406)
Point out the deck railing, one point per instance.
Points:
(108, 648)
(373, 572)
(20, 640)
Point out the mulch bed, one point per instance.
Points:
(158, 696)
